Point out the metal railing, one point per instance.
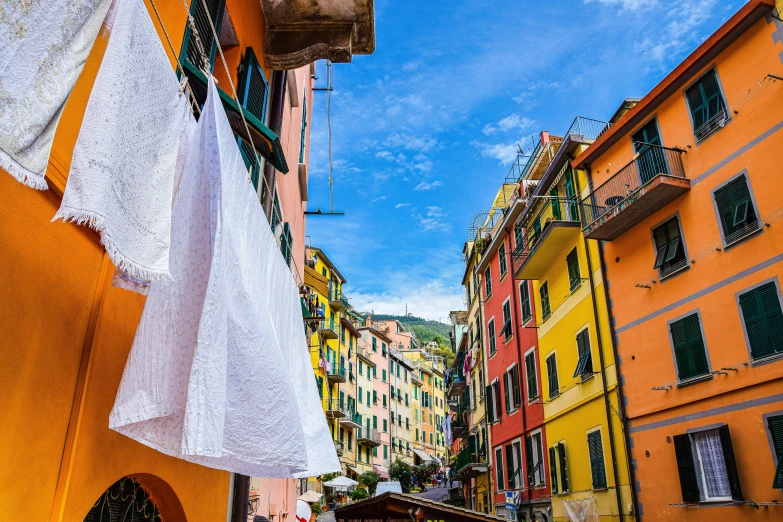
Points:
(588, 128)
(467, 456)
(371, 435)
(336, 405)
(331, 324)
(552, 209)
(363, 351)
(651, 162)
(339, 447)
(337, 370)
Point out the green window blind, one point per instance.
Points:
(374, 344)
(551, 372)
(686, 468)
(735, 208)
(375, 451)
(368, 397)
(510, 467)
(361, 395)
(597, 469)
(375, 422)
(574, 278)
(518, 236)
(689, 351)
(584, 365)
(286, 247)
(488, 281)
(573, 214)
(651, 160)
(530, 373)
(507, 330)
(704, 100)
(383, 375)
(524, 297)
(555, 204)
(385, 451)
(562, 461)
(384, 400)
(543, 290)
(502, 260)
(499, 468)
(303, 137)
(669, 250)
(763, 320)
(507, 391)
(385, 426)
(251, 161)
(361, 368)
(775, 425)
(553, 469)
(731, 464)
(490, 405)
(491, 334)
(215, 10)
(253, 87)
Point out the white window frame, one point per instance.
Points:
(531, 400)
(492, 340)
(698, 462)
(510, 319)
(499, 468)
(526, 284)
(507, 378)
(538, 451)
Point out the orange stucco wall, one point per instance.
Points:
(65, 333)
(750, 142)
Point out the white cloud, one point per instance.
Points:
(433, 219)
(379, 198)
(428, 186)
(410, 142)
(401, 205)
(505, 153)
(432, 300)
(411, 66)
(630, 5)
(511, 122)
(680, 33)
(384, 154)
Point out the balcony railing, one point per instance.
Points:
(339, 447)
(366, 436)
(554, 212)
(653, 168)
(336, 373)
(352, 419)
(328, 328)
(588, 128)
(335, 409)
(466, 457)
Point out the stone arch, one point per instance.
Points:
(138, 498)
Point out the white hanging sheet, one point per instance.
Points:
(206, 380)
(581, 510)
(45, 45)
(123, 168)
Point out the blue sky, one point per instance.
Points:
(424, 130)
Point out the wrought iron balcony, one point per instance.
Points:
(554, 226)
(370, 438)
(470, 464)
(336, 373)
(352, 420)
(328, 329)
(335, 409)
(337, 301)
(453, 403)
(587, 128)
(652, 180)
(459, 428)
(338, 446)
(311, 313)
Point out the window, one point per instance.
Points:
(736, 212)
(303, 136)
(361, 368)
(385, 426)
(543, 290)
(524, 298)
(669, 248)
(499, 482)
(708, 110)
(651, 158)
(553, 469)
(535, 460)
(584, 366)
(705, 462)
(384, 400)
(368, 397)
(763, 320)
(490, 405)
(597, 469)
(383, 349)
(574, 278)
(532, 375)
(286, 243)
(561, 461)
(511, 468)
(551, 373)
(375, 422)
(488, 282)
(491, 335)
(385, 450)
(502, 260)
(690, 355)
(518, 236)
(507, 330)
(215, 8)
(374, 344)
(775, 425)
(361, 395)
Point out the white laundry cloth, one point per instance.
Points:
(206, 380)
(123, 167)
(581, 510)
(45, 45)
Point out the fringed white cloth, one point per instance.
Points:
(45, 45)
(206, 380)
(122, 173)
(582, 510)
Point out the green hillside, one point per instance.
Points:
(425, 329)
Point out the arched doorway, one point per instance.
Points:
(124, 501)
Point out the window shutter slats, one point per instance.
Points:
(528, 460)
(561, 454)
(551, 370)
(775, 425)
(253, 88)
(490, 405)
(731, 465)
(215, 10)
(553, 469)
(763, 320)
(506, 390)
(686, 468)
(696, 104)
(499, 468)
(698, 354)
(596, 460)
(768, 296)
(510, 466)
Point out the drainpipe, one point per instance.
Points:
(275, 124)
(522, 400)
(241, 498)
(607, 402)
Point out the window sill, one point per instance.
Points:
(553, 397)
(574, 288)
(749, 234)
(664, 274)
(585, 377)
(545, 317)
(695, 380)
(508, 339)
(534, 400)
(768, 359)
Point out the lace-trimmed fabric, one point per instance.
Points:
(45, 46)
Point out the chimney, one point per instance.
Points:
(544, 137)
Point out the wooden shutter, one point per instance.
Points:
(529, 460)
(571, 194)
(561, 453)
(686, 468)
(544, 291)
(525, 296)
(215, 9)
(661, 242)
(731, 465)
(496, 396)
(516, 383)
(572, 260)
(553, 469)
(551, 370)
(763, 320)
(510, 467)
(530, 373)
(555, 204)
(689, 348)
(490, 405)
(597, 468)
(507, 390)
(253, 87)
(251, 160)
(499, 468)
(775, 425)
(697, 105)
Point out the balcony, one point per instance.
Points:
(459, 428)
(555, 225)
(652, 180)
(336, 374)
(456, 386)
(363, 353)
(335, 409)
(352, 420)
(415, 378)
(328, 329)
(453, 404)
(299, 32)
(337, 300)
(310, 313)
(470, 464)
(338, 446)
(371, 438)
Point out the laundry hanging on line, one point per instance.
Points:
(136, 126)
(45, 46)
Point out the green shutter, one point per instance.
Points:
(553, 469)
(689, 348)
(529, 461)
(597, 469)
(584, 365)
(555, 204)
(253, 87)
(510, 466)
(731, 465)
(571, 195)
(763, 320)
(661, 244)
(507, 390)
(250, 159)
(215, 9)
(574, 278)
(704, 99)
(686, 468)
(530, 373)
(490, 405)
(561, 453)
(735, 207)
(525, 296)
(551, 370)
(543, 290)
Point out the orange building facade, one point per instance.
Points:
(684, 194)
(66, 332)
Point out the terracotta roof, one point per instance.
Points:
(372, 505)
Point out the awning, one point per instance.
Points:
(423, 456)
(355, 470)
(380, 470)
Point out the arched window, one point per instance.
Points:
(124, 501)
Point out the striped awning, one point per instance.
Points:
(380, 470)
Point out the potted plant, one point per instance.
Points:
(316, 509)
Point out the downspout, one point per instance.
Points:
(522, 400)
(275, 124)
(488, 440)
(607, 402)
